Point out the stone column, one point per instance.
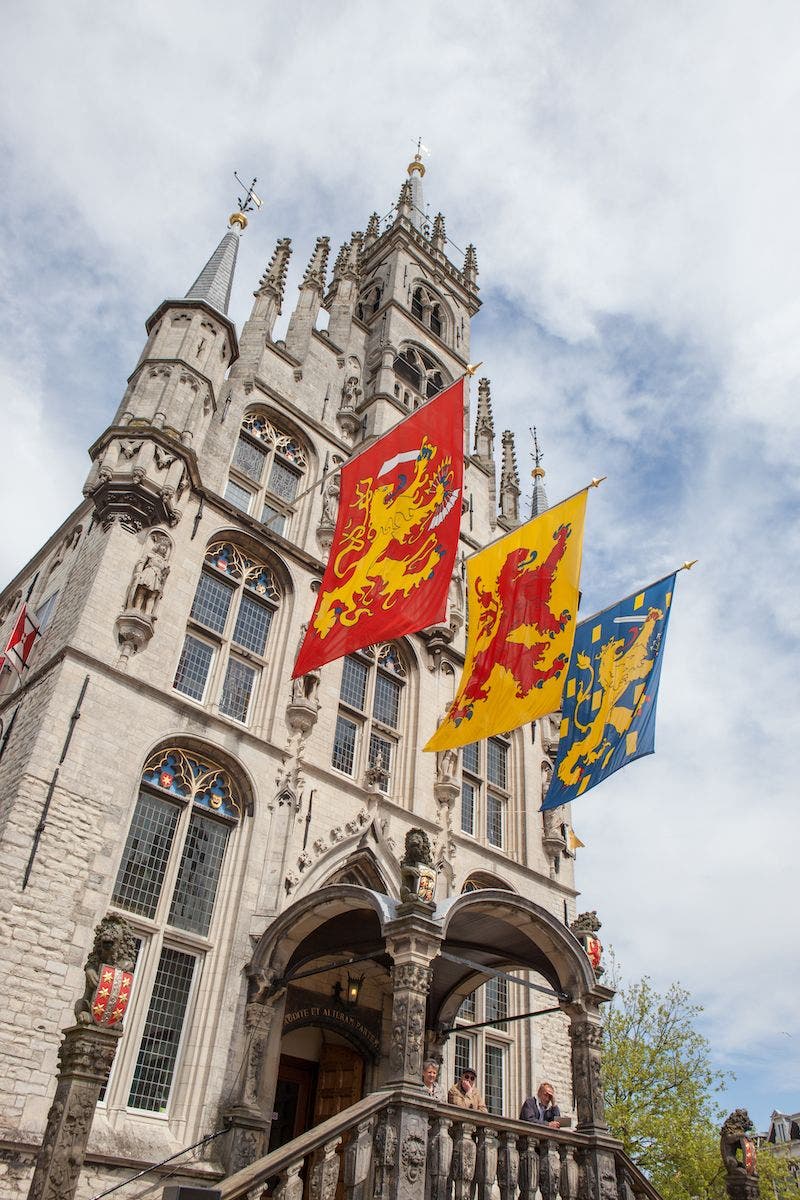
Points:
(250, 1116)
(586, 1034)
(84, 1062)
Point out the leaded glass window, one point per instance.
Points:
(167, 885)
(468, 806)
(268, 464)
(235, 599)
(367, 731)
(496, 1001)
(484, 791)
(494, 1073)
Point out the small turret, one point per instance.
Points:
(509, 481)
(373, 231)
(471, 267)
(438, 237)
(484, 426)
(538, 495)
(266, 309)
(304, 317)
(405, 202)
(342, 300)
(416, 170)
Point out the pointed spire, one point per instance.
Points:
(215, 281)
(346, 265)
(318, 265)
(416, 170)
(273, 281)
(373, 231)
(439, 236)
(538, 495)
(471, 266)
(484, 425)
(405, 200)
(509, 480)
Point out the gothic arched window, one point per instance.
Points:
(223, 653)
(429, 309)
(370, 302)
(421, 370)
(485, 790)
(366, 741)
(169, 879)
(267, 470)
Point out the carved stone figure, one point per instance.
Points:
(446, 765)
(585, 927)
(113, 944)
(738, 1151)
(417, 873)
(149, 576)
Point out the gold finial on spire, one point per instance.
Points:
(537, 456)
(418, 165)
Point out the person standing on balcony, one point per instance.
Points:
(542, 1109)
(430, 1077)
(465, 1093)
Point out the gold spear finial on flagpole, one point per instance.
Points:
(597, 481)
(687, 566)
(472, 368)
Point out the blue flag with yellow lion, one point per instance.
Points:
(609, 703)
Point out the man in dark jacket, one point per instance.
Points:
(542, 1109)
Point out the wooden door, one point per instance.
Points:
(339, 1082)
(292, 1110)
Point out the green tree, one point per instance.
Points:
(660, 1088)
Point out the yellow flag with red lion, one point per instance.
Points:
(396, 536)
(522, 598)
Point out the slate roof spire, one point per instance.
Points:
(215, 281)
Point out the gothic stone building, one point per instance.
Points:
(158, 762)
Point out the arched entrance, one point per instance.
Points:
(383, 978)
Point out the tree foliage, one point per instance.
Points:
(660, 1088)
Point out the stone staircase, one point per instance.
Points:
(399, 1144)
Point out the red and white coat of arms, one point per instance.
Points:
(111, 996)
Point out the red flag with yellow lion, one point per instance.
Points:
(396, 536)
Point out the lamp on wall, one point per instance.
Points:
(354, 983)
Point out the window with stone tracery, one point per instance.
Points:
(168, 886)
(370, 302)
(428, 308)
(367, 737)
(224, 650)
(422, 371)
(267, 471)
(485, 791)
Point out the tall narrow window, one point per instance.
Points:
(267, 471)
(421, 370)
(484, 791)
(367, 735)
(224, 651)
(487, 1047)
(167, 884)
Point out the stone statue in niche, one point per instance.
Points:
(446, 765)
(350, 392)
(330, 498)
(149, 576)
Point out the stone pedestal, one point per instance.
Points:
(250, 1117)
(84, 1059)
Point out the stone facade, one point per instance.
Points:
(114, 686)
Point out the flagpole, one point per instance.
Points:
(469, 372)
(686, 566)
(594, 483)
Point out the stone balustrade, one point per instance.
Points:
(398, 1144)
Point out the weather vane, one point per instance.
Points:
(537, 455)
(251, 200)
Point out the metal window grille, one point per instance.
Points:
(381, 746)
(252, 625)
(386, 706)
(192, 672)
(495, 810)
(494, 1073)
(249, 459)
(344, 745)
(237, 690)
(238, 495)
(354, 683)
(463, 1054)
(467, 1010)
(198, 875)
(496, 1002)
(283, 481)
(276, 519)
(496, 762)
(158, 1051)
(471, 757)
(212, 600)
(468, 807)
(144, 859)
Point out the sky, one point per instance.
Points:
(629, 174)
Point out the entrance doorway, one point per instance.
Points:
(340, 1080)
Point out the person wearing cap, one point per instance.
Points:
(542, 1109)
(465, 1094)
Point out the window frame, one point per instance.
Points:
(368, 723)
(490, 795)
(273, 442)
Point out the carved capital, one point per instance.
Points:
(414, 976)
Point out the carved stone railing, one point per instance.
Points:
(398, 1144)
